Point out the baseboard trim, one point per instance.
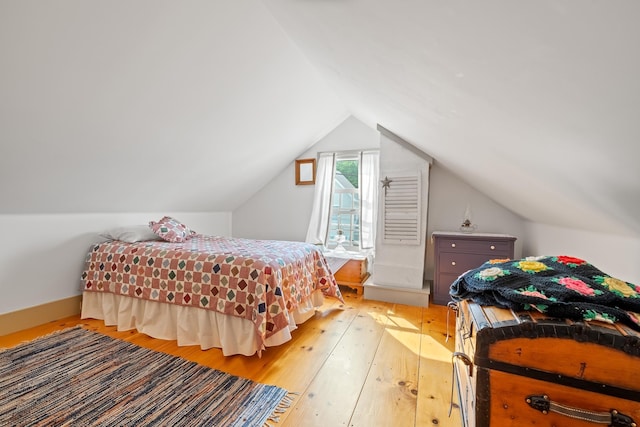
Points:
(34, 316)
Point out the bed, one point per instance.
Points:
(236, 294)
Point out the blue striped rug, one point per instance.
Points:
(79, 377)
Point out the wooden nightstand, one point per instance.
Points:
(354, 271)
(353, 274)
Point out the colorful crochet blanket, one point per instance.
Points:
(559, 286)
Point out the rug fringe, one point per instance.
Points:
(52, 333)
(282, 407)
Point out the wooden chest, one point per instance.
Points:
(522, 369)
(456, 253)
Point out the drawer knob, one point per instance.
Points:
(492, 247)
(453, 263)
(453, 245)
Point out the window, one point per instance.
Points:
(345, 203)
(345, 200)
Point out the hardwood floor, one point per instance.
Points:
(364, 363)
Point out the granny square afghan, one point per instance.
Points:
(559, 286)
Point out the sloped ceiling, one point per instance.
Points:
(534, 103)
(193, 105)
(150, 106)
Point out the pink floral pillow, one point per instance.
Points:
(171, 230)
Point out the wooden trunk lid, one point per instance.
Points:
(596, 356)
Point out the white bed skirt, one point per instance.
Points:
(189, 325)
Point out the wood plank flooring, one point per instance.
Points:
(364, 363)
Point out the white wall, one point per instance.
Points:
(401, 266)
(614, 254)
(618, 256)
(281, 209)
(42, 256)
(448, 200)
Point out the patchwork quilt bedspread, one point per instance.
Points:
(259, 280)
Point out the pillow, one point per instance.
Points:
(171, 230)
(130, 234)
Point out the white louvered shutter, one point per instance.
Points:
(401, 209)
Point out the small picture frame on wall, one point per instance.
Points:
(305, 171)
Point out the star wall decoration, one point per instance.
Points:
(386, 183)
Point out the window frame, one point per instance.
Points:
(354, 212)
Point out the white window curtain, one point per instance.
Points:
(369, 176)
(319, 223)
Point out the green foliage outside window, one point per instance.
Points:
(349, 168)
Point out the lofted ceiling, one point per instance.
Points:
(150, 106)
(533, 103)
(194, 105)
